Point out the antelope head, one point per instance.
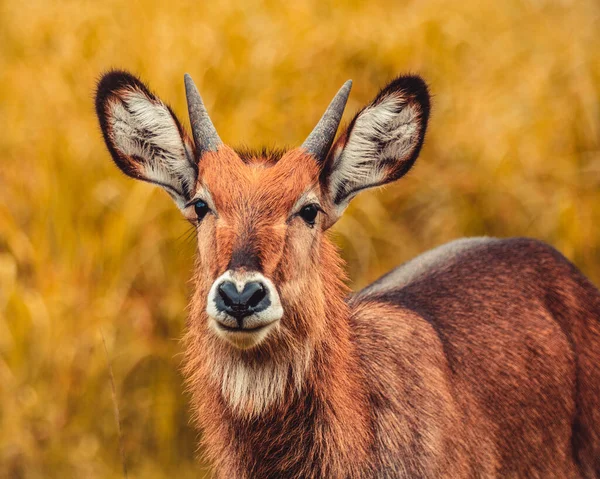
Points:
(267, 279)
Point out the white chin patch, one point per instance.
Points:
(257, 326)
(241, 339)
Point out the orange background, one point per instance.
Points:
(513, 149)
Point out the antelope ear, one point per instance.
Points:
(381, 143)
(144, 137)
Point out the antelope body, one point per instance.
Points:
(478, 359)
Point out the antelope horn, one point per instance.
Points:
(319, 141)
(205, 136)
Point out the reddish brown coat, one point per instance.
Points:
(480, 358)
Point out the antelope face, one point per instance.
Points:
(259, 231)
(260, 218)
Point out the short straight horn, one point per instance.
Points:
(205, 136)
(321, 138)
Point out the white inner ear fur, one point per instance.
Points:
(380, 133)
(146, 129)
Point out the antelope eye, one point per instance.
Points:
(309, 213)
(201, 209)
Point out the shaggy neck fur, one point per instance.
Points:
(299, 393)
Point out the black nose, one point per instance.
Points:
(252, 299)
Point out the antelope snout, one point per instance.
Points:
(243, 306)
(253, 298)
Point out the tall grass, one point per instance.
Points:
(513, 149)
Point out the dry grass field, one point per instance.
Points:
(513, 149)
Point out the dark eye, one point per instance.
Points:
(309, 213)
(201, 209)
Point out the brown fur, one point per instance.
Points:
(478, 359)
(312, 321)
(482, 365)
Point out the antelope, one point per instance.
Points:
(477, 359)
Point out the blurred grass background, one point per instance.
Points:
(513, 149)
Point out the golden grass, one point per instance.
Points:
(513, 149)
